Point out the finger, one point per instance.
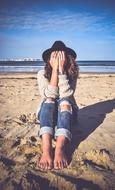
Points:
(63, 55)
(52, 55)
(57, 54)
(60, 55)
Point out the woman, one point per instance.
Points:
(57, 111)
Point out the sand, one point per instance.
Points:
(91, 153)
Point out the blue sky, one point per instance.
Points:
(28, 27)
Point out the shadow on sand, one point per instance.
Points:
(89, 118)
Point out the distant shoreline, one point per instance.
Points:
(35, 66)
(40, 62)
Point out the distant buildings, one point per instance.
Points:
(21, 59)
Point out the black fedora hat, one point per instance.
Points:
(58, 46)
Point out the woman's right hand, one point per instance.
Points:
(54, 61)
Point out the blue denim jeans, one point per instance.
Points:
(55, 121)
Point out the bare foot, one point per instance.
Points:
(60, 159)
(46, 161)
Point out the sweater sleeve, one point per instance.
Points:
(65, 88)
(46, 90)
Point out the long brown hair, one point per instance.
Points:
(71, 68)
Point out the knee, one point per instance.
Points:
(65, 106)
(49, 100)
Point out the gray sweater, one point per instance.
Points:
(64, 88)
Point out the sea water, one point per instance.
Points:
(35, 66)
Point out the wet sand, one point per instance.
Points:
(91, 153)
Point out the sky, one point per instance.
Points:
(28, 27)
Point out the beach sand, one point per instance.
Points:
(91, 153)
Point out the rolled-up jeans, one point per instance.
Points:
(55, 121)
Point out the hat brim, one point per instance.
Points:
(46, 54)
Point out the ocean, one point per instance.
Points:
(35, 66)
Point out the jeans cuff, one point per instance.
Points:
(46, 129)
(64, 132)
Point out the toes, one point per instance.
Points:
(61, 165)
(56, 166)
(65, 164)
(45, 165)
(41, 165)
(38, 163)
(50, 166)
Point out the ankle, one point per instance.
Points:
(46, 148)
(61, 142)
(46, 144)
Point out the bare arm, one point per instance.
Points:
(54, 78)
(54, 64)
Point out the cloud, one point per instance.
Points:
(53, 21)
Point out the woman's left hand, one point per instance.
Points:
(61, 57)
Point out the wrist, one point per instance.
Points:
(55, 70)
(61, 72)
